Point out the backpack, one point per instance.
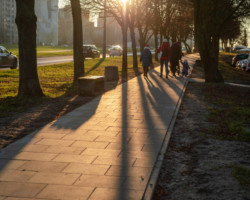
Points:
(165, 52)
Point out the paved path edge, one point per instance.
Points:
(152, 182)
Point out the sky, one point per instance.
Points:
(62, 4)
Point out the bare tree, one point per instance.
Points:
(210, 20)
(26, 23)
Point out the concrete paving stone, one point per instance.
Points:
(130, 121)
(84, 137)
(54, 130)
(150, 148)
(83, 113)
(154, 140)
(14, 198)
(15, 189)
(95, 145)
(65, 120)
(120, 128)
(130, 171)
(152, 131)
(108, 124)
(54, 142)
(145, 162)
(10, 164)
(34, 148)
(26, 140)
(101, 160)
(136, 182)
(54, 178)
(49, 135)
(39, 166)
(104, 138)
(93, 127)
(35, 156)
(100, 181)
(66, 192)
(75, 158)
(139, 154)
(88, 169)
(114, 194)
(106, 119)
(15, 175)
(101, 152)
(127, 147)
(68, 123)
(64, 150)
(107, 133)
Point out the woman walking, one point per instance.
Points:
(146, 59)
(175, 57)
(165, 52)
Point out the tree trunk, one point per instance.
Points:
(156, 44)
(26, 23)
(104, 30)
(188, 48)
(208, 42)
(141, 40)
(125, 49)
(132, 35)
(209, 58)
(77, 39)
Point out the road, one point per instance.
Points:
(56, 60)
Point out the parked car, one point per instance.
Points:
(239, 57)
(237, 48)
(245, 64)
(90, 51)
(248, 65)
(115, 51)
(7, 59)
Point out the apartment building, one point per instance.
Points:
(47, 22)
(8, 29)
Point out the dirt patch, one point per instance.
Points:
(196, 165)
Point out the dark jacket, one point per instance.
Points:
(146, 57)
(176, 52)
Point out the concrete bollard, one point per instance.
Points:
(111, 73)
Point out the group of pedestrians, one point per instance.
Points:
(166, 54)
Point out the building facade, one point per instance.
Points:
(8, 29)
(47, 22)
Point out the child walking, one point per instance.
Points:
(146, 59)
(185, 68)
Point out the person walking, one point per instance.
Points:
(185, 67)
(165, 52)
(175, 57)
(146, 59)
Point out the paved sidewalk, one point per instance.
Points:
(105, 149)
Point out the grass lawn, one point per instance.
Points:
(230, 73)
(230, 106)
(42, 51)
(56, 81)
